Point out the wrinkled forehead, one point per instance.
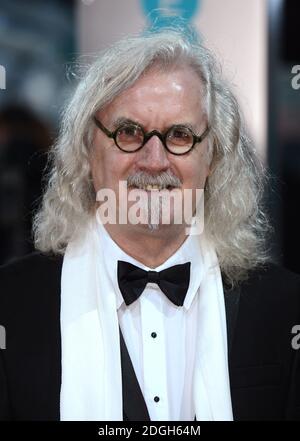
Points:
(177, 92)
(181, 78)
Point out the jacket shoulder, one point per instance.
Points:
(272, 280)
(29, 285)
(30, 270)
(28, 265)
(269, 303)
(270, 293)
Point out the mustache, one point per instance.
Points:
(141, 179)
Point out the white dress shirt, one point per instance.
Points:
(160, 336)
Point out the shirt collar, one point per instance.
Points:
(189, 251)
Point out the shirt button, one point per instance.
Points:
(156, 399)
(153, 334)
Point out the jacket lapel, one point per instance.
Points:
(134, 406)
(232, 299)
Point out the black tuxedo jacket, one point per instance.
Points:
(264, 368)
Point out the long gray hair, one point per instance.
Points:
(235, 219)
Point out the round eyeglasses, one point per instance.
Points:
(130, 137)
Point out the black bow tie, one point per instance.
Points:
(173, 281)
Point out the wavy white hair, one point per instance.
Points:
(235, 218)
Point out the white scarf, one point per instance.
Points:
(91, 388)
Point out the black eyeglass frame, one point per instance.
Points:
(147, 135)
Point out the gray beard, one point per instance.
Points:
(157, 209)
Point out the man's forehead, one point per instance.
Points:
(180, 81)
(176, 94)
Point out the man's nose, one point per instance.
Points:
(153, 156)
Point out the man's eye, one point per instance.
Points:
(129, 131)
(180, 136)
(178, 133)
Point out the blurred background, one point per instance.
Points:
(257, 42)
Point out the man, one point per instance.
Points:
(130, 317)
